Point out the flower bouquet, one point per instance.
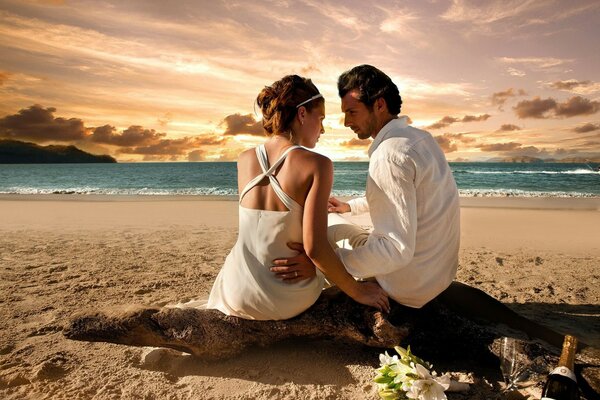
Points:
(409, 377)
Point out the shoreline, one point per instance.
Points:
(534, 203)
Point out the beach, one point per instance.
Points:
(60, 254)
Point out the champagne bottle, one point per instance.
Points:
(561, 383)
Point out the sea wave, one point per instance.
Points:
(519, 193)
(213, 191)
(579, 171)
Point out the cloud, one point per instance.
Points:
(39, 124)
(577, 106)
(499, 17)
(448, 141)
(515, 72)
(354, 142)
(589, 127)
(508, 128)
(472, 118)
(499, 146)
(543, 108)
(4, 77)
(238, 124)
(209, 140)
(575, 86)
(197, 155)
(569, 84)
(135, 135)
(536, 108)
(166, 147)
(517, 66)
(447, 145)
(499, 98)
(447, 120)
(536, 63)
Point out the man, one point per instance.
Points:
(411, 196)
(412, 199)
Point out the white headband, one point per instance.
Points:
(316, 96)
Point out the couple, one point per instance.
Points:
(285, 250)
(284, 198)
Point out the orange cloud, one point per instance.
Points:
(39, 124)
(354, 142)
(577, 106)
(3, 77)
(135, 135)
(238, 124)
(589, 127)
(544, 108)
(536, 108)
(197, 155)
(569, 84)
(499, 98)
(447, 145)
(508, 128)
(444, 122)
(499, 146)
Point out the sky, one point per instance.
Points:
(155, 80)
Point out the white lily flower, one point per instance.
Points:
(427, 387)
(385, 359)
(401, 350)
(402, 370)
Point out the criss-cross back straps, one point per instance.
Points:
(261, 154)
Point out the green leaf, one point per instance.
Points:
(383, 379)
(388, 394)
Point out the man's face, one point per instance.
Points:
(358, 117)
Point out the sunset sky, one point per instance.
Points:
(176, 80)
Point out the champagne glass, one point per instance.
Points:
(515, 366)
(508, 361)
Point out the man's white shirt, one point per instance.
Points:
(413, 202)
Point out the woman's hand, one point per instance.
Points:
(294, 269)
(371, 294)
(336, 206)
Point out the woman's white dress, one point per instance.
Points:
(245, 286)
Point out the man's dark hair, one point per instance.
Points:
(371, 84)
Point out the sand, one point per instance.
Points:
(62, 254)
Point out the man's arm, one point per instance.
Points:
(355, 206)
(294, 269)
(393, 207)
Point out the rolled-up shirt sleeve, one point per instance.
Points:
(393, 209)
(358, 206)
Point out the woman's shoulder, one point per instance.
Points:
(308, 158)
(308, 154)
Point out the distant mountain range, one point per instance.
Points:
(527, 159)
(16, 152)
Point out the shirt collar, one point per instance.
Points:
(384, 133)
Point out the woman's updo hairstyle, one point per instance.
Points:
(278, 102)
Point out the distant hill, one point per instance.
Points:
(527, 159)
(16, 152)
(517, 159)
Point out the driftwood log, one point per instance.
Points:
(434, 332)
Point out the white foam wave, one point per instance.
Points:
(518, 193)
(214, 191)
(579, 171)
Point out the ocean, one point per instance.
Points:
(219, 179)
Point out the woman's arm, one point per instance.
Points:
(318, 249)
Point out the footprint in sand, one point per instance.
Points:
(55, 367)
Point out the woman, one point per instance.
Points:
(284, 190)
